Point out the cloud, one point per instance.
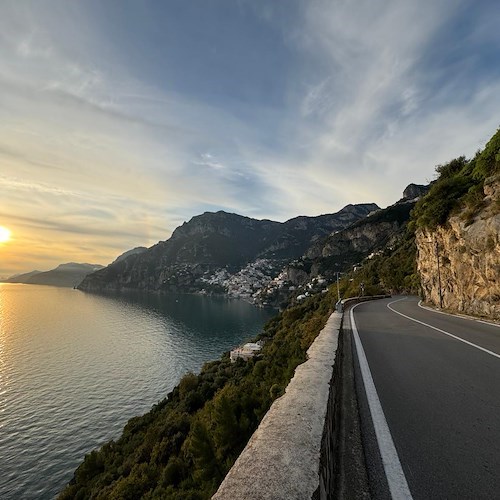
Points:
(114, 135)
(373, 112)
(350, 103)
(207, 160)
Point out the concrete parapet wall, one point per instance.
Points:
(282, 459)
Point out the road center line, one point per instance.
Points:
(396, 479)
(442, 331)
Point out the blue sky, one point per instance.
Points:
(121, 119)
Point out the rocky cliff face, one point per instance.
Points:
(413, 191)
(462, 259)
(221, 252)
(351, 245)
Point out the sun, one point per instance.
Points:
(4, 234)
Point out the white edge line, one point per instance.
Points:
(487, 323)
(443, 332)
(460, 316)
(396, 479)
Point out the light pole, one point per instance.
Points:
(338, 287)
(439, 275)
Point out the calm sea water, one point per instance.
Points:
(74, 367)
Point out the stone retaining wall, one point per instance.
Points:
(281, 460)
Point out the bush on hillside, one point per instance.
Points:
(443, 198)
(488, 161)
(459, 187)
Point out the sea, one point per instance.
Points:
(74, 367)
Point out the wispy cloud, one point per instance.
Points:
(110, 136)
(376, 113)
(207, 160)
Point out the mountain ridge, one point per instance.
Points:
(69, 274)
(217, 245)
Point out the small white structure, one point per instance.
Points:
(245, 352)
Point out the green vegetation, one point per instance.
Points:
(184, 446)
(396, 213)
(488, 161)
(458, 188)
(394, 270)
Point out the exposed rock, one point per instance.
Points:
(469, 260)
(296, 273)
(351, 245)
(414, 191)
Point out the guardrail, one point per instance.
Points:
(343, 303)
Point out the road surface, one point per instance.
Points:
(436, 377)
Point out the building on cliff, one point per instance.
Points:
(247, 351)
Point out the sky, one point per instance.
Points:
(121, 119)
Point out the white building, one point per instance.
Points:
(245, 352)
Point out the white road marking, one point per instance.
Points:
(487, 323)
(442, 331)
(461, 316)
(396, 479)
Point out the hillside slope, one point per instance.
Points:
(362, 238)
(211, 250)
(22, 277)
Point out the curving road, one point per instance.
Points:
(436, 379)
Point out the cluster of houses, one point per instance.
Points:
(259, 283)
(250, 279)
(246, 282)
(317, 284)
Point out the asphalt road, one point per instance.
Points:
(440, 397)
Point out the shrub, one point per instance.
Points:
(488, 161)
(444, 196)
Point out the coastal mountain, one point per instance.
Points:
(21, 278)
(64, 275)
(221, 252)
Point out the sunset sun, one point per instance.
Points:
(4, 234)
